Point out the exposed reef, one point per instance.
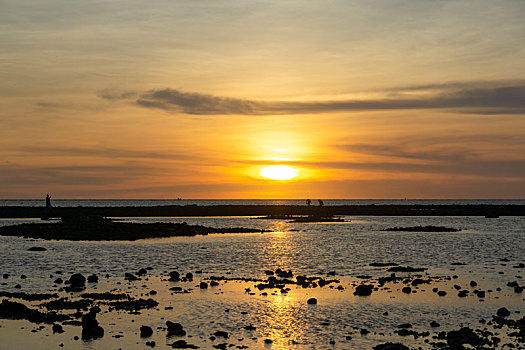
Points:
(423, 229)
(99, 229)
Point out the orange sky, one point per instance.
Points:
(379, 99)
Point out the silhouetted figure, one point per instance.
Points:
(308, 202)
(321, 203)
(48, 201)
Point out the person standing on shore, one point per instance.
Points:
(308, 202)
(321, 203)
(48, 201)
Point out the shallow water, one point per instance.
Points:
(310, 249)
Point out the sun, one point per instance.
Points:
(279, 172)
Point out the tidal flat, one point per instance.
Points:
(341, 285)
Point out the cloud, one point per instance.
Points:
(485, 98)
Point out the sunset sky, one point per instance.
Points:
(192, 99)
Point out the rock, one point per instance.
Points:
(249, 328)
(268, 341)
(58, 281)
(77, 282)
(269, 272)
(473, 283)
(189, 276)
(441, 293)
(57, 328)
(434, 324)
(221, 334)
(182, 344)
(37, 249)
(404, 325)
(406, 290)
(130, 277)
(214, 283)
(463, 293)
(151, 343)
(92, 278)
(23, 277)
(456, 339)
(503, 312)
(5, 276)
(142, 272)
(481, 294)
(312, 301)
(363, 289)
(406, 269)
(175, 329)
(391, 346)
(203, 285)
(145, 331)
(364, 331)
(174, 276)
(91, 328)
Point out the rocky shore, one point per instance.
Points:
(106, 230)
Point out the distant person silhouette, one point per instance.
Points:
(321, 203)
(48, 201)
(308, 202)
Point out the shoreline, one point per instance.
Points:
(13, 212)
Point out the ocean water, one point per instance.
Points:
(488, 249)
(203, 202)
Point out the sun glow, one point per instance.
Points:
(279, 172)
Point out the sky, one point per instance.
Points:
(192, 99)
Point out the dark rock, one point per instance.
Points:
(175, 329)
(214, 283)
(189, 276)
(221, 334)
(57, 328)
(406, 269)
(312, 301)
(77, 282)
(434, 324)
(145, 331)
(441, 293)
(58, 281)
(16, 311)
(37, 249)
(151, 343)
(203, 285)
(503, 312)
(182, 344)
(364, 331)
(404, 325)
(91, 328)
(473, 283)
(249, 328)
(92, 278)
(134, 304)
(406, 290)
(174, 276)
(5, 276)
(23, 277)
(130, 277)
(363, 289)
(142, 272)
(381, 264)
(268, 341)
(391, 346)
(456, 339)
(463, 293)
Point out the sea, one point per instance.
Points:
(204, 202)
(485, 255)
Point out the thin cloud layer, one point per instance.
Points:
(471, 98)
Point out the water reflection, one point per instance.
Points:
(283, 322)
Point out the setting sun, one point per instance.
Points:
(279, 172)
